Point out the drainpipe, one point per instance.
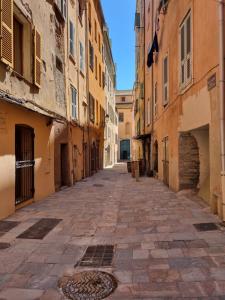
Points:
(222, 99)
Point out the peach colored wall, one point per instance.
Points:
(195, 106)
(43, 152)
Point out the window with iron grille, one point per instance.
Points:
(74, 103)
(185, 52)
(72, 33)
(165, 80)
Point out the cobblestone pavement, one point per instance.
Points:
(159, 254)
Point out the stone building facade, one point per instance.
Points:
(124, 106)
(50, 134)
(111, 124)
(183, 70)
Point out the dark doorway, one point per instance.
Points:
(155, 157)
(166, 160)
(86, 159)
(24, 149)
(63, 157)
(125, 150)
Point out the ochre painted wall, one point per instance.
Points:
(43, 153)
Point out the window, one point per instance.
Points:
(155, 100)
(97, 112)
(121, 117)
(96, 68)
(91, 108)
(185, 52)
(148, 112)
(123, 99)
(81, 57)
(71, 39)
(91, 56)
(74, 102)
(103, 80)
(165, 81)
(100, 75)
(62, 7)
(18, 46)
(99, 43)
(95, 31)
(80, 10)
(89, 17)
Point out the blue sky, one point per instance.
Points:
(119, 15)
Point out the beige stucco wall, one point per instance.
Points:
(43, 153)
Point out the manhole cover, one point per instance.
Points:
(88, 285)
(206, 226)
(4, 246)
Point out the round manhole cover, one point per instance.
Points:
(92, 285)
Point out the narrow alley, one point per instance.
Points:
(158, 252)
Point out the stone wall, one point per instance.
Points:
(189, 164)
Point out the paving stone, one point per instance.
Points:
(140, 254)
(159, 255)
(20, 294)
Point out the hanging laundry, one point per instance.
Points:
(154, 48)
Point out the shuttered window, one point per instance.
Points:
(81, 57)
(165, 81)
(18, 46)
(185, 52)
(91, 108)
(74, 102)
(7, 32)
(37, 58)
(71, 46)
(91, 56)
(62, 5)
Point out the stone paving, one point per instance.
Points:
(159, 254)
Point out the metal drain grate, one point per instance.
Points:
(98, 185)
(6, 226)
(97, 256)
(206, 226)
(40, 229)
(4, 246)
(88, 285)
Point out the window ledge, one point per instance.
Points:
(21, 77)
(185, 88)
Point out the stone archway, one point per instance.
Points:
(189, 162)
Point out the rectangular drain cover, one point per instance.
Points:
(6, 226)
(97, 256)
(206, 226)
(40, 229)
